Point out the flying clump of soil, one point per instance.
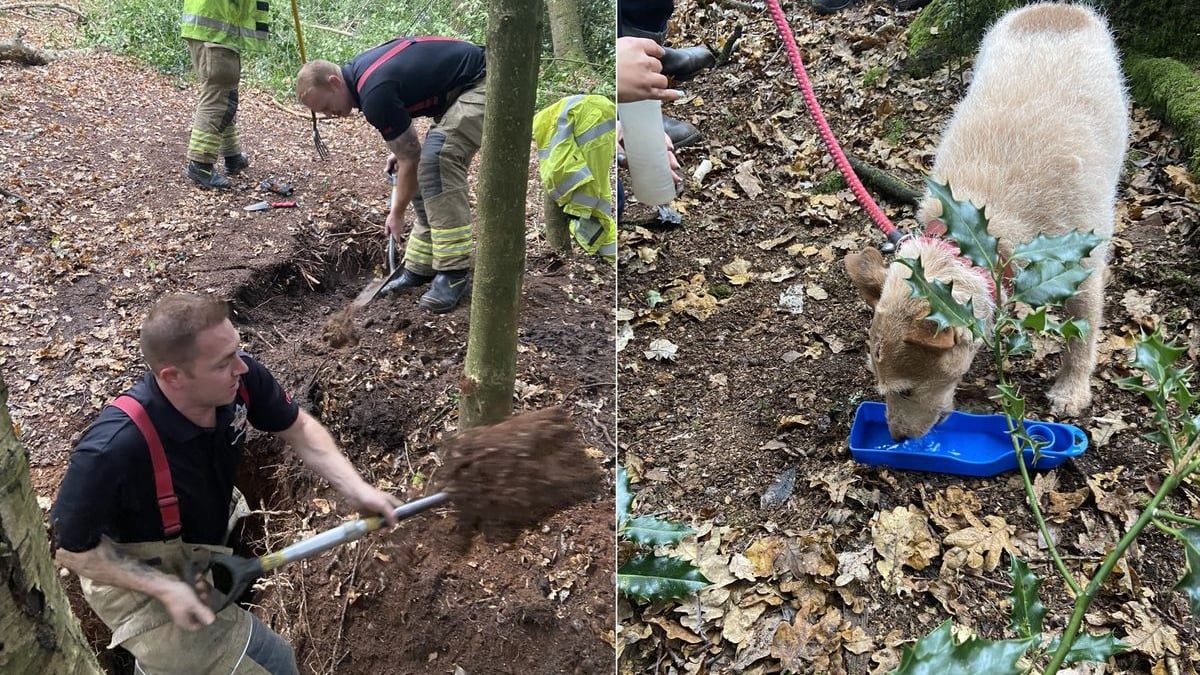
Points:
(505, 477)
(339, 330)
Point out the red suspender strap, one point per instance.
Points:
(244, 393)
(168, 503)
(404, 44)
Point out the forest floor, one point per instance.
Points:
(99, 221)
(859, 561)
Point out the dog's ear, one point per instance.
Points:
(924, 333)
(867, 270)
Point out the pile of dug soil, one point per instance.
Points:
(508, 476)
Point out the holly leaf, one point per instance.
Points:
(1065, 248)
(944, 310)
(1073, 328)
(1028, 610)
(1153, 356)
(966, 224)
(650, 531)
(1048, 282)
(1088, 647)
(1189, 585)
(650, 577)
(1010, 401)
(624, 496)
(1017, 343)
(936, 654)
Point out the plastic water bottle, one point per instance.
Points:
(646, 151)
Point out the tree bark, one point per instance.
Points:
(19, 52)
(38, 632)
(566, 28)
(513, 38)
(558, 234)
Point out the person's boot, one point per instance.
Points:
(235, 164)
(206, 176)
(830, 6)
(407, 281)
(682, 133)
(447, 289)
(632, 31)
(683, 64)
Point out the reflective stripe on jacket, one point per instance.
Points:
(576, 139)
(232, 23)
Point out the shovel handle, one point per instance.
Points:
(345, 533)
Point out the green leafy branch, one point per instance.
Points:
(645, 575)
(1045, 272)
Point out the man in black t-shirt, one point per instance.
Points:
(436, 77)
(147, 494)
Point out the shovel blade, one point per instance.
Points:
(258, 206)
(371, 290)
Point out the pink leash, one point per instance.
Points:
(814, 110)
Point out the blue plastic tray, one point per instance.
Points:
(965, 444)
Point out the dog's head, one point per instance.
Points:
(916, 367)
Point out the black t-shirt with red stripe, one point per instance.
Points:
(109, 486)
(411, 77)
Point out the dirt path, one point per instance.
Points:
(106, 222)
(756, 390)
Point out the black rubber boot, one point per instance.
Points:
(235, 164)
(682, 133)
(830, 6)
(445, 291)
(407, 281)
(631, 31)
(206, 176)
(683, 64)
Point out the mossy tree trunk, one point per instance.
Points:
(38, 632)
(514, 38)
(566, 28)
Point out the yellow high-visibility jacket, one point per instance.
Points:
(576, 140)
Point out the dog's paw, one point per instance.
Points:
(1069, 401)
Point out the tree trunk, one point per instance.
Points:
(558, 233)
(513, 38)
(566, 28)
(38, 632)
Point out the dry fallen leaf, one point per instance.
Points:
(902, 537)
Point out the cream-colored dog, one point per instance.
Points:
(1038, 142)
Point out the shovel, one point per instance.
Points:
(265, 206)
(237, 573)
(371, 290)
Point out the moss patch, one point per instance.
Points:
(1171, 90)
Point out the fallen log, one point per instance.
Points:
(42, 5)
(886, 183)
(15, 50)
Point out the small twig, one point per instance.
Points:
(723, 56)
(328, 28)
(740, 4)
(563, 58)
(262, 337)
(13, 195)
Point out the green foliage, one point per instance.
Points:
(147, 29)
(646, 575)
(649, 577)
(1094, 648)
(1028, 610)
(937, 654)
(944, 310)
(1048, 282)
(872, 76)
(336, 30)
(1189, 585)
(830, 183)
(1169, 391)
(966, 225)
(649, 531)
(896, 128)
